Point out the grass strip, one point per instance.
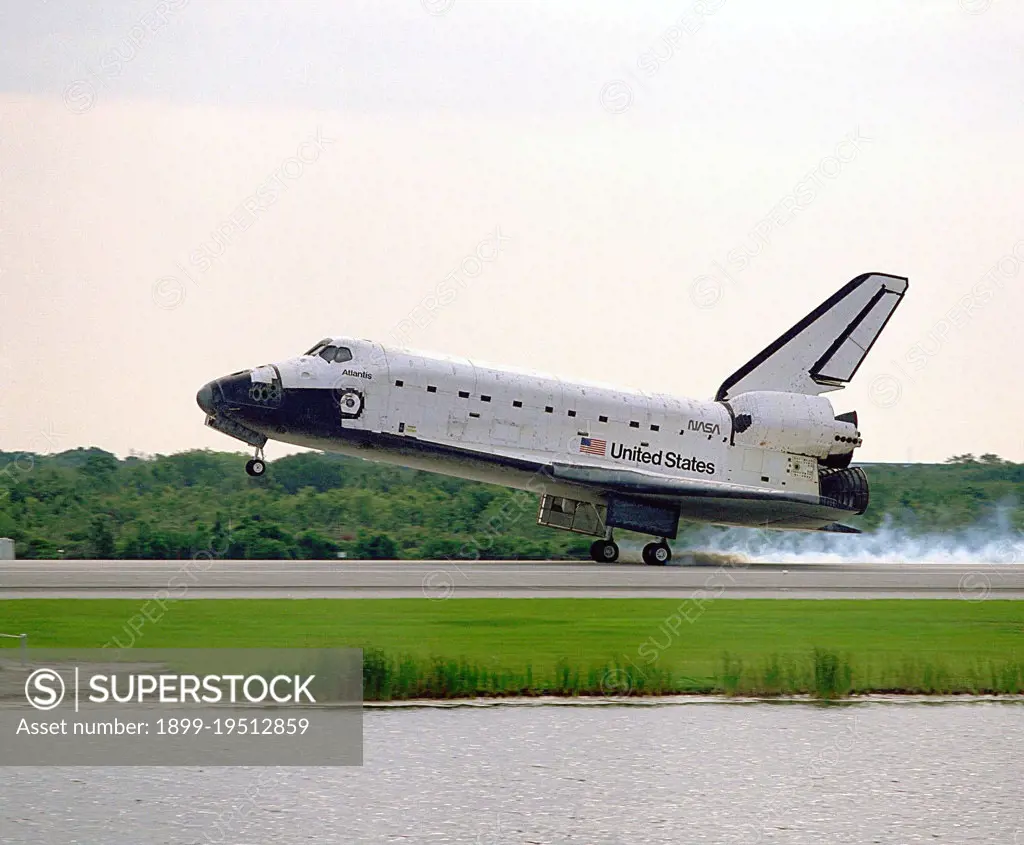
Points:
(416, 648)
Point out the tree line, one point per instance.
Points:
(87, 503)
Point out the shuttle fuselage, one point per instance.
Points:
(600, 457)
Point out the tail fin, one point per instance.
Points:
(824, 350)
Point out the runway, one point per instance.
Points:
(442, 579)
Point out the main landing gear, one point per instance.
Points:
(257, 466)
(604, 551)
(657, 554)
(607, 551)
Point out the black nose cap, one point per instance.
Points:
(205, 398)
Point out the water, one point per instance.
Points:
(698, 772)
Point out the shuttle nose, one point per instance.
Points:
(205, 398)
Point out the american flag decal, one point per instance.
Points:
(592, 446)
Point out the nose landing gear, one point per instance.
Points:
(257, 466)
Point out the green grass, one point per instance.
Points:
(470, 647)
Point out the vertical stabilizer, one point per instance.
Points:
(824, 350)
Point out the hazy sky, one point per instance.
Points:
(188, 188)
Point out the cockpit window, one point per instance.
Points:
(316, 349)
(330, 353)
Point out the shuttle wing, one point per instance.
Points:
(707, 501)
(639, 483)
(824, 350)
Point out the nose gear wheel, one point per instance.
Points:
(256, 466)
